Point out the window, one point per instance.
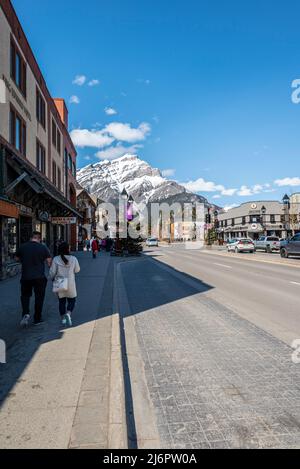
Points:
(18, 68)
(74, 170)
(54, 133)
(40, 109)
(17, 132)
(70, 165)
(54, 173)
(244, 221)
(40, 157)
(225, 223)
(59, 179)
(58, 147)
(272, 219)
(232, 222)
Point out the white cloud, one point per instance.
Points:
(79, 80)
(125, 133)
(144, 82)
(217, 196)
(112, 153)
(292, 182)
(74, 100)
(229, 192)
(110, 111)
(200, 185)
(168, 172)
(90, 138)
(94, 83)
(245, 191)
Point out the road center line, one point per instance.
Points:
(223, 265)
(295, 283)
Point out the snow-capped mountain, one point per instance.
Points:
(107, 179)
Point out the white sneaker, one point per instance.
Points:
(64, 320)
(25, 320)
(69, 319)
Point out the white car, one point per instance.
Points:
(152, 242)
(241, 245)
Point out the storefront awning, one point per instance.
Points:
(39, 184)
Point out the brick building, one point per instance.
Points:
(37, 156)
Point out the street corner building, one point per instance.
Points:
(37, 156)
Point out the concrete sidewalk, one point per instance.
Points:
(54, 389)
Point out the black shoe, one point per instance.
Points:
(39, 322)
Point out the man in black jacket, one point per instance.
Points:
(33, 256)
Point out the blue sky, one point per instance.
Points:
(204, 86)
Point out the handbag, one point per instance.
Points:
(60, 285)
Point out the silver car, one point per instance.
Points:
(241, 245)
(152, 242)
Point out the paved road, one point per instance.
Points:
(214, 333)
(262, 288)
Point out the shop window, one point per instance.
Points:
(40, 109)
(40, 157)
(12, 237)
(18, 69)
(17, 132)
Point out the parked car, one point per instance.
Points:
(241, 245)
(152, 242)
(290, 247)
(268, 244)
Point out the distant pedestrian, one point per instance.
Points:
(95, 247)
(62, 272)
(33, 256)
(103, 244)
(87, 244)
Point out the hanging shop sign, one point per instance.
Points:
(43, 216)
(64, 220)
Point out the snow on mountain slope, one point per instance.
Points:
(107, 179)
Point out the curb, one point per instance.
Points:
(145, 430)
(117, 425)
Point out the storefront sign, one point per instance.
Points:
(8, 210)
(26, 211)
(64, 220)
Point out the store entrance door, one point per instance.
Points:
(25, 229)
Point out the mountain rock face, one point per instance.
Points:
(107, 179)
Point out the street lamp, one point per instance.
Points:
(263, 223)
(286, 206)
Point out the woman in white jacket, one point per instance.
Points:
(65, 266)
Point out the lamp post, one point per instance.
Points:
(286, 205)
(263, 219)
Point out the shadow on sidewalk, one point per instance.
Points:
(23, 344)
(149, 284)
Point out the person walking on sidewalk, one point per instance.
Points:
(33, 256)
(95, 247)
(62, 272)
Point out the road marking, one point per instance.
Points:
(283, 264)
(223, 265)
(295, 283)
